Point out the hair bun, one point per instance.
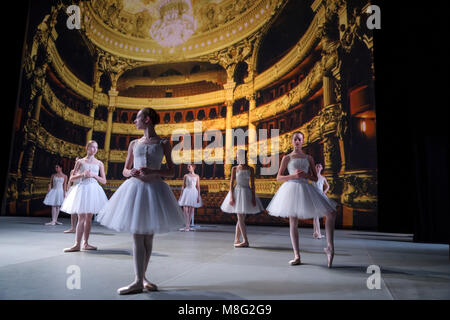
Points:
(157, 119)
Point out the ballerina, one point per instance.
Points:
(190, 195)
(323, 186)
(87, 197)
(72, 182)
(242, 199)
(297, 199)
(144, 204)
(56, 194)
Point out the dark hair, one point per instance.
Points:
(323, 168)
(152, 114)
(299, 133)
(58, 163)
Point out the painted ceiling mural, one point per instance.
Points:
(146, 18)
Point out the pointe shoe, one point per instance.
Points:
(295, 262)
(50, 223)
(330, 256)
(130, 290)
(69, 231)
(89, 247)
(73, 249)
(150, 286)
(241, 245)
(182, 229)
(59, 223)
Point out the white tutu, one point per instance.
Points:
(142, 208)
(189, 198)
(298, 198)
(85, 197)
(54, 197)
(242, 202)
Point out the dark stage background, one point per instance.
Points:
(411, 86)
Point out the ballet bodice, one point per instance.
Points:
(148, 155)
(191, 182)
(75, 181)
(242, 178)
(92, 167)
(298, 164)
(319, 183)
(57, 182)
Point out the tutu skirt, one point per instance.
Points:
(142, 208)
(84, 198)
(242, 202)
(189, 198)
(298, 198)
(54, 197)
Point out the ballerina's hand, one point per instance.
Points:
(145, 171)
(135, 172)
(87, 174)
(198, 200)
(300, 174)
(232, 202)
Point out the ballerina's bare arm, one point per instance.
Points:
(102, 177)
(184, 183)
(233, 177)
(326, 185)
(65, 184)
(128, 170)
(283, 167)
(170, 170)
(77, 175)
(252, 176)
(197, 185)
(50, 185)
(70, 178)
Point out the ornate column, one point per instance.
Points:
(229, 89)
(92, 115)
(252, 137)
(109, 122)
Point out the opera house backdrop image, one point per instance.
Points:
(250, 66)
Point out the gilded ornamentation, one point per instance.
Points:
(300, 93)
(135, 18)
(67, 113)
(112, 65)
(229, 58)
(360, 189)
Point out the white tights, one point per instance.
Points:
(142, 250)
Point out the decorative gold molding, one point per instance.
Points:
(300, 93)
(360, 189)
(69, 114)
(69, 78)
(149, 50)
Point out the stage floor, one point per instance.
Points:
(205, 265)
